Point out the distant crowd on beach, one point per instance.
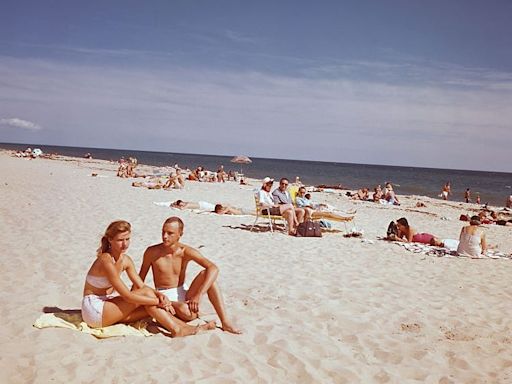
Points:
(176, 177)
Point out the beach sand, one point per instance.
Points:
(322, 310)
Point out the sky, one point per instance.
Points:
(395, 82)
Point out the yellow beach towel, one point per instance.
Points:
(74, 321)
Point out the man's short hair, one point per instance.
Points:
(175, 219)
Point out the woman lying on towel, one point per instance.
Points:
(101, 308)
(408, 234)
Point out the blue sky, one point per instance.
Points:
(416, 83)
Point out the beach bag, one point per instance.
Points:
(309, 229)
(392, 230)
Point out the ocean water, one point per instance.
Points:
(493, 187)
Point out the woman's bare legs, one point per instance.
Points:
(118, 310)
(330, 215)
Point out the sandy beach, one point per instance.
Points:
(313, 310)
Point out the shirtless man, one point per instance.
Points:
(169, 260)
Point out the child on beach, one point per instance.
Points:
(101, 307)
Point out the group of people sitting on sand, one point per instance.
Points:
(381, 196)
(487, 216)
(220, 176)
(175, 180)
(126, 168)
(471, 243)
(108, 300)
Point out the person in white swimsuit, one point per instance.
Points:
(472, 241)
(201, 205)
(102, 307)
(169, 260)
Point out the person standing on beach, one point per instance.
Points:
(101, 307)
(477, 198)
(169, 261)
(467, 196)
(508, 203)
(446, 191)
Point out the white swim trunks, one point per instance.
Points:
(175, 294)
(92, 309)
(206, 206)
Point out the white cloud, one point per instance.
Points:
(336, 119)
(20, 123)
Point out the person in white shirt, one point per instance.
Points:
(267, 203)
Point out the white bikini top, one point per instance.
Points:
(100, 282)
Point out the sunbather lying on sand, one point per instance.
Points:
(201, 205)
(408, 234)
(221, 209)
(150, 184)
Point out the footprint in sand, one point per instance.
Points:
(410, 327)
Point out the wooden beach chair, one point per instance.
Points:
(271, 219)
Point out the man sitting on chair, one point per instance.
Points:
(282, 196)
(269, 207)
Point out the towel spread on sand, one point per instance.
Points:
(445, 252)
(75, 322)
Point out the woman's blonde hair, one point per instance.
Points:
(113, 229)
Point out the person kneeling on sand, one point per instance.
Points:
(101, 308)
(169, 261)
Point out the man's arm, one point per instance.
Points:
(211, 269)
(146, 264)
(211, 273)
(275, 197)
